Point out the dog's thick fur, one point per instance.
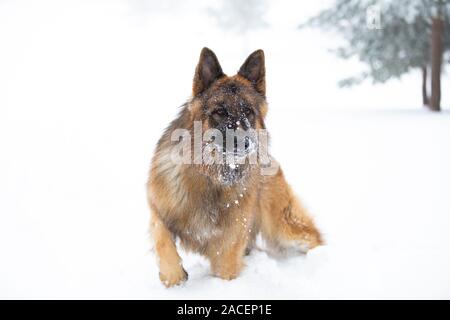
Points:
(220, 219)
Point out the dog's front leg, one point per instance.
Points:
(171, 271)
(227, 261)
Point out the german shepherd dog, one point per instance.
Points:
(217, 209)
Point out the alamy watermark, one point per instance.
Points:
(373, 17)
(233, 147)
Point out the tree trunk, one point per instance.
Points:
(436, 62)
(425, 99)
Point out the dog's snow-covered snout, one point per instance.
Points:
(240, 142)
(237, 143)
(236, 126)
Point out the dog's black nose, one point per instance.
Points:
(247, 143)
(238, 145)
(241, 144)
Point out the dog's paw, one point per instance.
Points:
(228, 272)
(172, 278)
(226, 275)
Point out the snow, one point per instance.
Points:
(86, 88)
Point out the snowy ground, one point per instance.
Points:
(87, 87)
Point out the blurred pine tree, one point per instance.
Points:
(391, 37)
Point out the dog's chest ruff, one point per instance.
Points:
(206, 213)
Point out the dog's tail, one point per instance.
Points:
(283, 222)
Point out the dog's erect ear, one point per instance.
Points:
(208, 70)
(254, 70)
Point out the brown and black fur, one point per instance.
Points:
(218, 219)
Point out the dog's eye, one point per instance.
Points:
(248, 111)
(221, 112)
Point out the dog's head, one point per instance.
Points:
(230, 103)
